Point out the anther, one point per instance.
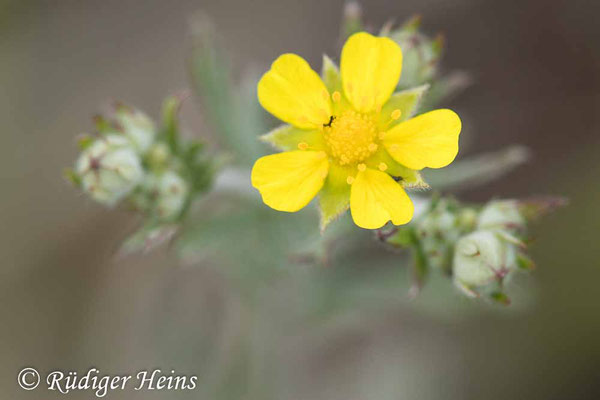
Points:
(396, 114)
(372, 147)
(382, 166)
(350, 180)
(336, 96)
(362, 167)
(303, 145)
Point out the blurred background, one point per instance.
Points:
(69, 302)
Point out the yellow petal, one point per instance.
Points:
(294, 93)
(375, 199)
(370, 70)
(429, 140)
(289, 181)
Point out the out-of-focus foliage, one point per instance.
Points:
(231, 109)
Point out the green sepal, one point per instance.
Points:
(500, 297)
(334, 198)
(72, 177)
(287, 137)
(84, 141)
(170, 126)
(466, 289)
(200, 168)
(103, 125)
(420, 267)
(510, 238)
(412, 24)
(403, 237)
(524, 262)
(330, 73)
(407, 101)
(410, 178)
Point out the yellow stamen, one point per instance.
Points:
(362, 167)
(303, 145)
(383, 166)
(396, 114)
(351, 136)
(350, 180)
(336, 96)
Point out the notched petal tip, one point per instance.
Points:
(376, 198)
(428, 140)
(289, 181)
(370, 68)
(294, 93)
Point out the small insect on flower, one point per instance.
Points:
(348, 137)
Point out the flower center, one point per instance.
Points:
(351, 137)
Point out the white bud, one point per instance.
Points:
(109, 169)
(501, 214)
(164, 194)
(136, 126)
(481, 258)
(158, 155)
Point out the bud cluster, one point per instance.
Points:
(420, 54)
(480, 248)
(131, 160)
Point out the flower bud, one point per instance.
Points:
(109, 169)
(501, 214)
(136, 126)
(163, 194)
(158, 155)
(437, 232)
(420, 54)
(467, 219)
(482, 258)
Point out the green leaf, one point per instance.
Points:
(477, 170)
(232, 110)
(407, 101)
(334, 198)
(444, 88)
(287, 138)
(149, 237)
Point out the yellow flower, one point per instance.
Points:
(348, 138)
